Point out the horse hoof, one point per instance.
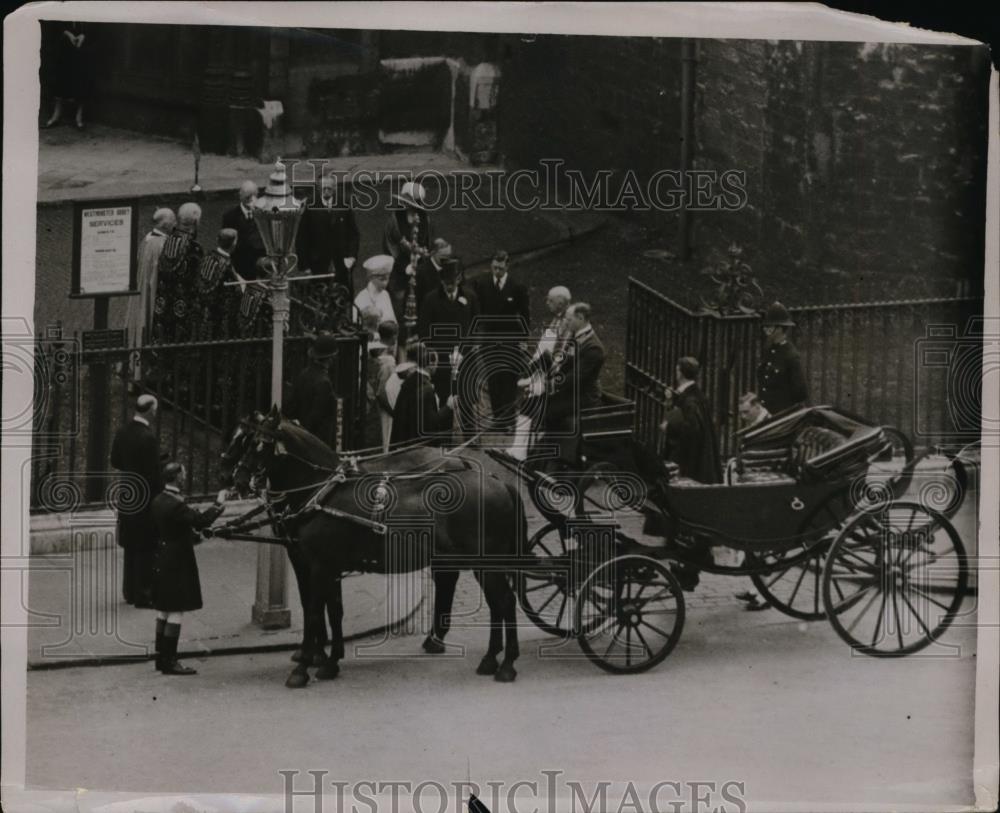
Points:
(297, 656)
(432, 646)
(487, 666)
(328, 671)
(505, 674)
(297, 680)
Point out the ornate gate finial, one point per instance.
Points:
(737, 291)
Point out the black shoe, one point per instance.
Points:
(175, 668)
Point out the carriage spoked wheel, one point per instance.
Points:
(894, 579)
(547, 593)
(629, 614)
(894, 467)
(792, 583)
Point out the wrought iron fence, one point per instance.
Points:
(203, 389)
(912, 364)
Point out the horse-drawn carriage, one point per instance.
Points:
(814, 504)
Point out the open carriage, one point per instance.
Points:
(814, 508)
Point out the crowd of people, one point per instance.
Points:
(446, 355)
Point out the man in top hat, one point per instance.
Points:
(446, 315)
(314, 402)
(781, 382)
(328, 238)
(407, 238)
(136, 452)
(374, 294)
(214, 300)
(249, 244)
(139, 311)
(506, 316)
(177, 273)
(428, 271)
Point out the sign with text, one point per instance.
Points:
(104, 248)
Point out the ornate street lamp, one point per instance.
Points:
(277, 214)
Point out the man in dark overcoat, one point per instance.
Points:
(446, 314)
(135, 452)
(176, 586)
(691, 440)
(693, 444)
(505, 317)
(314, 402)
(781, 380)
(249, 244)
(328, 238)
(417, 413)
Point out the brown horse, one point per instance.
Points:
(398, 513)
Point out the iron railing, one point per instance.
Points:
(910, 364)
(204, 389)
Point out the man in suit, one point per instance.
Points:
(328, 238)
(135, 451)
(692, 442)
(416, 413)
(249, 244)
(780, 378)
(176, 586)
(573, 382)
(505, 318)
(428, 273)
(314, 402)
(446, 315)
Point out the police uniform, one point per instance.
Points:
(781, 379)
(781, 382)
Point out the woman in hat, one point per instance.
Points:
(176, 586)
(781, 380)
(374, 295)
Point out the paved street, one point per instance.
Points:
(751, 697)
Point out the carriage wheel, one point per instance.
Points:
(545, 595)
(894, 467)
(630, 614)
(795, 588)
(894, 579)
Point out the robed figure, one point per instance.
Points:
(140, 309)
(176, 294)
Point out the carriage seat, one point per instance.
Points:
(813, 443)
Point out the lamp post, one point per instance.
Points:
(277, 214)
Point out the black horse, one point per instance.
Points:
(397, 513)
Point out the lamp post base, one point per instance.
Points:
(271, 618)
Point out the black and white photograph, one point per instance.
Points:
(498, 407)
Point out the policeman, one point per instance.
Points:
(176, 587)
(780, 378)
